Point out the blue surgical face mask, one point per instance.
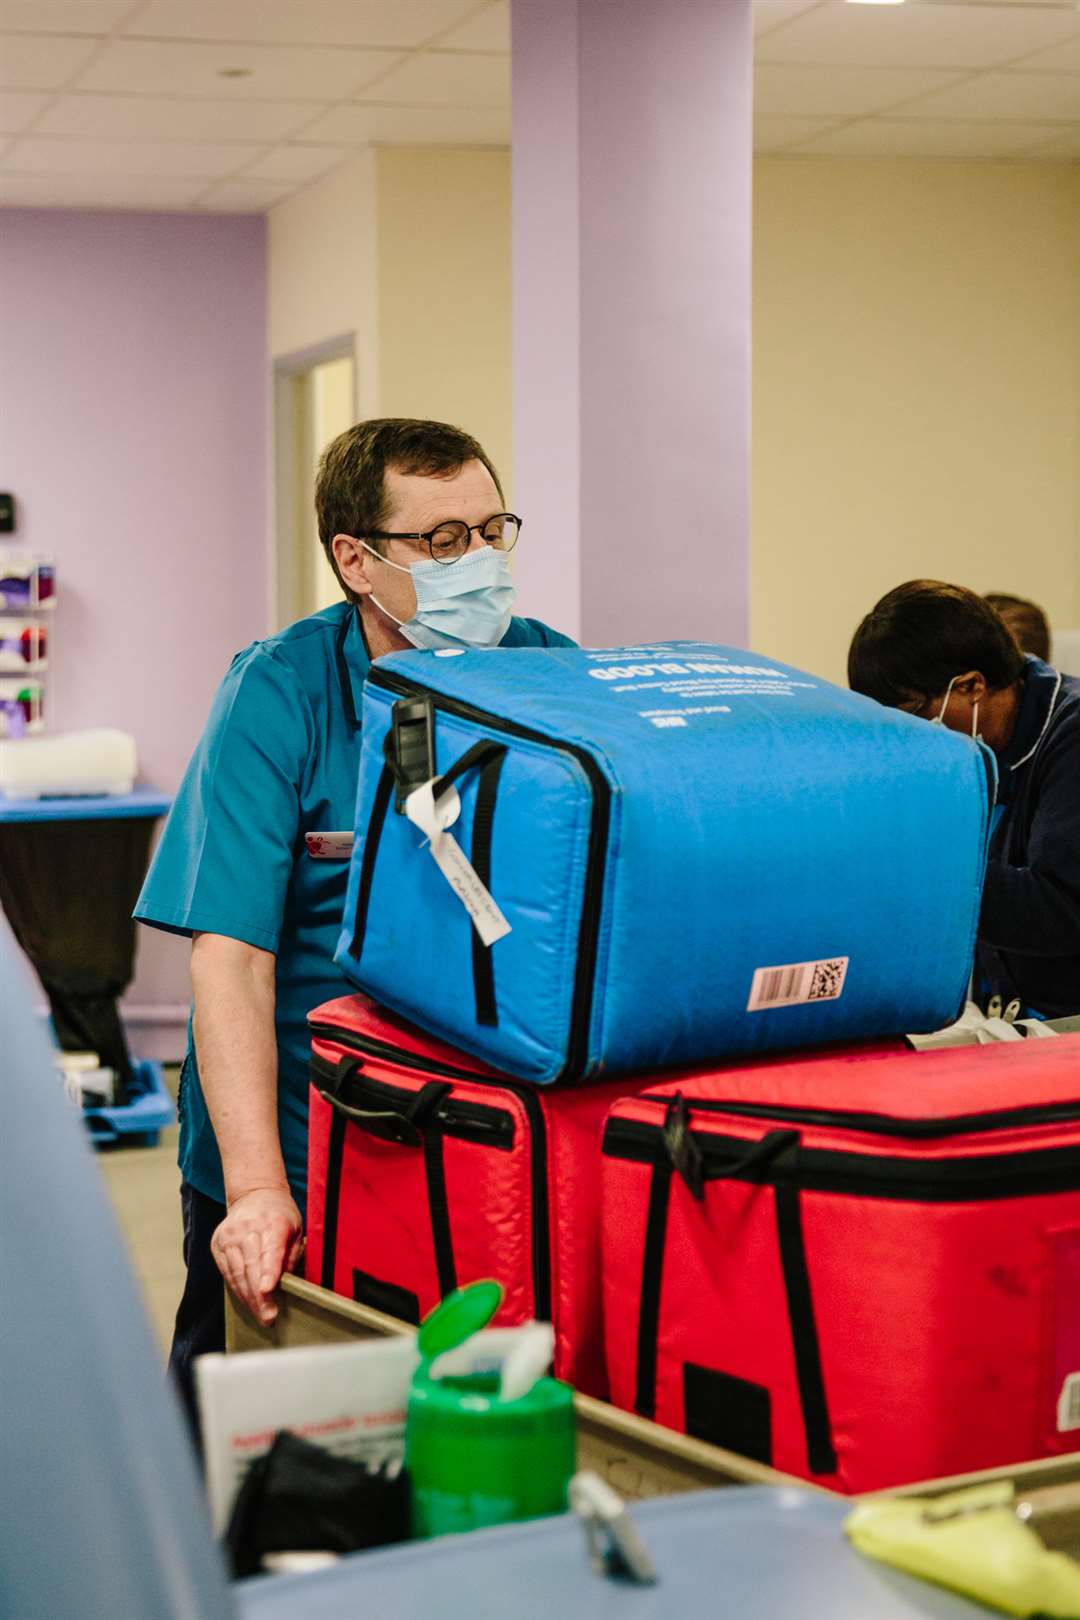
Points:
(467, 603)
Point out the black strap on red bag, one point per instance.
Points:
(680, 1154)
(416, 1124)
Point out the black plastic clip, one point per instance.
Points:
(409, 746)
(682, 1149)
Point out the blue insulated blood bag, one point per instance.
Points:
(697, 853)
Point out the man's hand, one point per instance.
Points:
(260, 1237)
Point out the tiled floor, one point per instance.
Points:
(143, 1183)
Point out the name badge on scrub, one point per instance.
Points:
(329, 846)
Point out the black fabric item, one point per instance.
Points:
(386, 1297)
(728, 1412)
(652, 1277)
(820, 1452)
(200, 1317)
(483, 962)
(68, 889)
(300, 1498)
(383, 794)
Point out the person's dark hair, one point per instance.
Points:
(350, 489)
(924, 633)
(1025, 621)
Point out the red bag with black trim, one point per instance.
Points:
(428, 1170)
(863, 1271)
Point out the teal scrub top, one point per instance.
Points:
(279, 758)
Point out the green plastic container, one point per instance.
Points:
(474, 1459)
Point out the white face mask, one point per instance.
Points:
(468, 603)
(939, 718)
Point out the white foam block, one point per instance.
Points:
(86, 762)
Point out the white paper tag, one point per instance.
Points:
(797, 983)
(453, 863)
(329, 846)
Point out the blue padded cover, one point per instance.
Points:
(669, 820)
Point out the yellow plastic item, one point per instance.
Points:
(981, 1550)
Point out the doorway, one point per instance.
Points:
(314, 401)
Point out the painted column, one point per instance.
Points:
(631, 320)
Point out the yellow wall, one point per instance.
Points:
(916, 391)
(916, 361)
(443, 246)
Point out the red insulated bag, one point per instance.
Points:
(428, 1170)
(863, 1272)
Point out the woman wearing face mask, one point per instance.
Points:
(942, 653)
(254, 859)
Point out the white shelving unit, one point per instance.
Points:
(27, 600)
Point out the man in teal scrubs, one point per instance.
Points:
(411, 515)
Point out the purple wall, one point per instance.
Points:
(133, 432)
(631, 319)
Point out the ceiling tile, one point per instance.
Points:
(350, 125)
(95, 191)
(1064, 146)
(444, 79)
(1005, 95)
(781, 89)
(442, 126)
(771, 13)
(295, 163)
(163, 119)
(278, 73)
(244, 196)
(61, 16)
(299, 22)
(38, 155)
(878, 137)
(917, 35)
(19, 108)
(1064, 58)
(775, 134)
(488, 30)
(37, 62)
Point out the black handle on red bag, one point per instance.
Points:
(403, 1125)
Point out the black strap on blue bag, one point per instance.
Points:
(408, 763)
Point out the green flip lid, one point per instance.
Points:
(464, 1312)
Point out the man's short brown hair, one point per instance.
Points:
(1025, 621)
(350, 490)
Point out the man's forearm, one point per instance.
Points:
(237, 1055)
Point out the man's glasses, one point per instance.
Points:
(451, 540)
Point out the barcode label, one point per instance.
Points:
(797, 983)
(1068, 1411)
